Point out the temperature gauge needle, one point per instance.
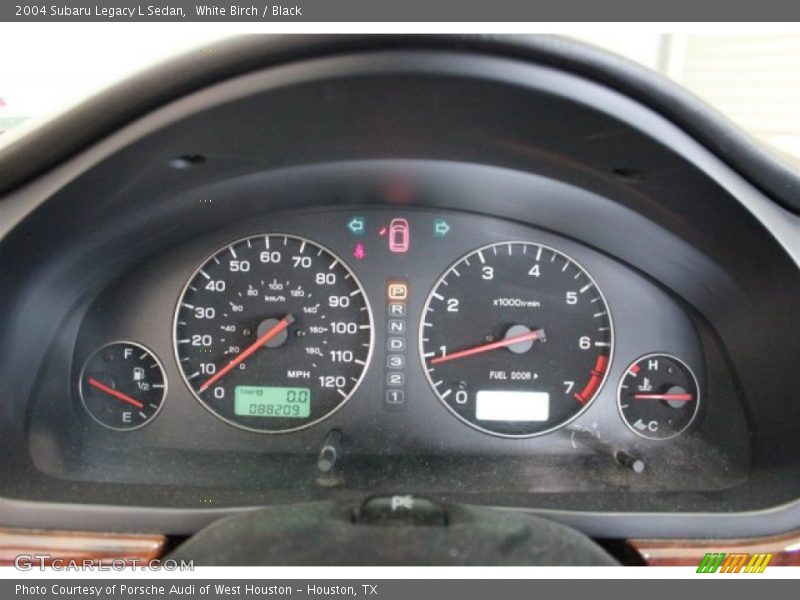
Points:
(504, 343)
(275, 330)
(663, 396)
(112, 392)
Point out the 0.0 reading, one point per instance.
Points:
(261, 401)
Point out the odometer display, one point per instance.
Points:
(516, 339)
(283, 402)
(269, 323)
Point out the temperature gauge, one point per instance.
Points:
(658, 396)
(122, 386)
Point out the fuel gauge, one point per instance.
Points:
(122, 386)
(658, 397)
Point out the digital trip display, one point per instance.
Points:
(498, 405)
(257, 401)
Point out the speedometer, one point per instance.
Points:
(273, 333)
(516, 339)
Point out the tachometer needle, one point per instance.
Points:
(663, 396)
(504, 343)
(275, 330)
(112, 392)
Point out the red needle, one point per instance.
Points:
(531, 335)
(275, 330)
(112, 392)
(663, 396)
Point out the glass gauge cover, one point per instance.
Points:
(122, 386)
(516, 339)
(273, 333)
(658, 396)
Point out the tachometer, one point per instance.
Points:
(516, 339)
(273, 333)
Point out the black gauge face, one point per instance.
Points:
(658, 397)
(122, 386)
(273, 333)
(516, 339)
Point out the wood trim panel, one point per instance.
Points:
(785, 549)
(103, 548)
(79, 546)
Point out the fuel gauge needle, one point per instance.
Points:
(112, 392)
(271, 333)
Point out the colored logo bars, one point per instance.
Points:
(721, 562)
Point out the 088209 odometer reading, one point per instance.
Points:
(273, 333)
(516, 339)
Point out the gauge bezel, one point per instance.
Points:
(421, 348)
(696, 404)
(367, 362)
(163, 377)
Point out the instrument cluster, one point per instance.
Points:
(347, 350)
(503, 330)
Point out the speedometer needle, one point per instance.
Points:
(525, 337)
(275, 330)
(112, 392)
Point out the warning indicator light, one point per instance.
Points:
(399, 236)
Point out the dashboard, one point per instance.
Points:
(491, 347)
(412, 269)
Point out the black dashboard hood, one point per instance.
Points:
(55, 141)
